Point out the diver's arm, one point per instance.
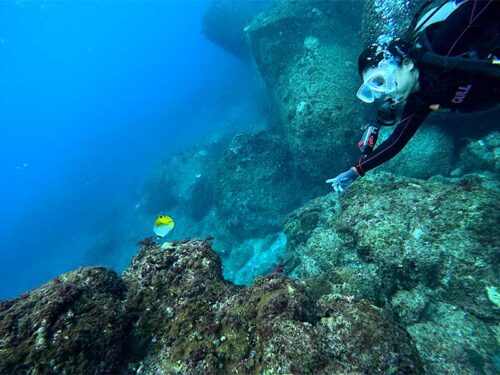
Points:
(415, 112)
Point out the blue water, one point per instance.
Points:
(92, 95)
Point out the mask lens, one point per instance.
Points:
(366, 94)
(377, 83)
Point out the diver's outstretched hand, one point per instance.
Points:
(343, 180)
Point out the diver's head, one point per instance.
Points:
(387, 72)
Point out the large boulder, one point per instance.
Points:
(306, 53)
(410, 245)
(191, 321)
(256, 185)
(481, 154)
(172, 292)
(75, 324)
(454, 341)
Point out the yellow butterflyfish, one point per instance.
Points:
(163, 225)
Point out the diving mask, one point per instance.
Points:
(379, 82)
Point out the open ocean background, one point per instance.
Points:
(92, 95)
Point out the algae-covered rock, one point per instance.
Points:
(173, 293)
(256, 185)
(173, 313)
(307, 55)
(481, 154)
(434, 232)
(323, 256)
(191, 321)
(352, 326)
(75, 324)
(408, 242)
(410, 305)
(453, 341)
(441, 234)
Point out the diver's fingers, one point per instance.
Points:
(341, 189)
(329, 181)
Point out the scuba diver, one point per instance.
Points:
(451, 61)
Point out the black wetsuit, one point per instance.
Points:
(466, 29)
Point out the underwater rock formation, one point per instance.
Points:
(224, 23)
(185, 180)
(418, 159)
(453, 341)
(187, 320)
(253, 257)
(256, 185)
(171, 292)
(482, 154)
(421, 247)
(307, 53)
(75, 324)
(252, 179)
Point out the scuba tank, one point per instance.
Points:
(468, 63)
(435, 15)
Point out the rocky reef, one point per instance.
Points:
(253, 176)
(395, 276)
(171, 312)
(240, 186)
(75, 324)
(236, 188)
(427, 250)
